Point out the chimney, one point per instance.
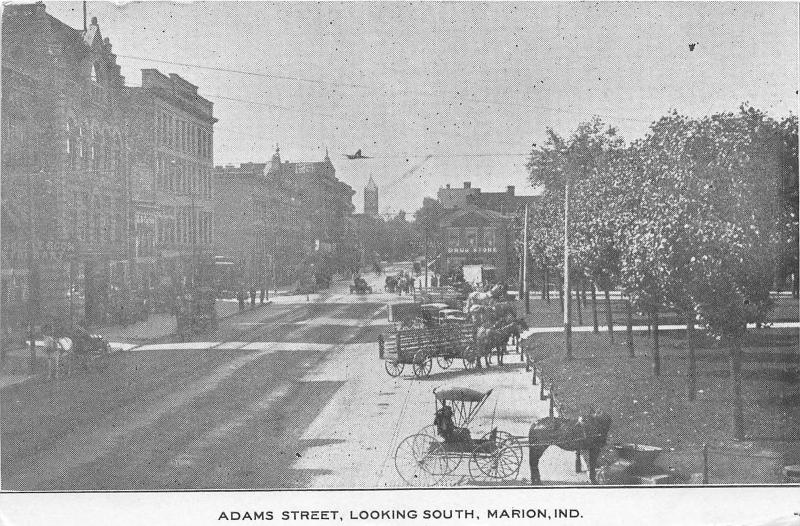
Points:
(510, 190)
(448, 186)
(467, 185)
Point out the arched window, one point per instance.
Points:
(108, 156)
(97, 145)
(82, 138)
(72, 142)
(95, 74)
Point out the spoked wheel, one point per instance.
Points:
(498, 459)
(420, 460)
(394, 369)
(444, 361)
(423, 364)
(469, 358)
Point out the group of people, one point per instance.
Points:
(242, 296)
(400, 283)
(65, 349)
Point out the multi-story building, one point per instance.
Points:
(371, 198)
(328, 203)
(470, 205)
(65, 168)
(172, 162)
(260, 221)
(472, 236)
(455, 197)
(503, 202)
(284, 213)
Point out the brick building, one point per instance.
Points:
(294, 210)
(472, 236)
(171, 137)
(485, 229)
(259, 219)
(503, 202)
(65, 170)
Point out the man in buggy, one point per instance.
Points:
(447, 428)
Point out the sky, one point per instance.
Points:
(473, 85)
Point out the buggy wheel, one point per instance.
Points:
(469, 357)
(423, 364)
(497, 458)
(444, 361)
(394, 369)
(420, 460)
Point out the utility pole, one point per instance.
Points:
(426, 258)
(525, 264)
(566, 292)
(33, 284)
(264, 258)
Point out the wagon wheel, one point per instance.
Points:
(444, 361)
(423, 363)
(420, 460)
(394, 369)
(469, 357)
(499, 459)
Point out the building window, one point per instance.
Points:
(453, 235)
(489, 238)
(471, 235)
(94, 76)
(72, 142)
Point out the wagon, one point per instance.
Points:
(426, 457)
(420, 347)
(360, 289)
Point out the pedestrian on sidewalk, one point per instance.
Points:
(52, 352)
(241, 297)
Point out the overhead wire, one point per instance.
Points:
(448, 97)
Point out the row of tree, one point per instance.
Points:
(698, 218)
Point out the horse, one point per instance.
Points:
(485, 341)
(518, 327)
(485, 298)
(587, 433)
(505, 310)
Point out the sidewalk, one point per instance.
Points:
(395, 408)
(158, 325)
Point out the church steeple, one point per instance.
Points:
(276, 159)
(371, 198)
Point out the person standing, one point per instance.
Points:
(52, 352)
(253, 297)
(241, 297)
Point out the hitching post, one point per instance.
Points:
(541, 388)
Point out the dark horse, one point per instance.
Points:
(586, 433)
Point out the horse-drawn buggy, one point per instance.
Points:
(437, 450)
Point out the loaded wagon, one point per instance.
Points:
(420, 347)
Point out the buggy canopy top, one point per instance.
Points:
(435, 306)
(460, 394)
